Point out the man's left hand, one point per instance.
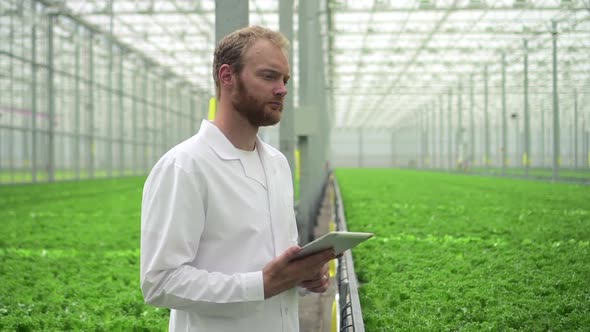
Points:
(319, 283)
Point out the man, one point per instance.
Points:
(218, 230)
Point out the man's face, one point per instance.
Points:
(259, 92)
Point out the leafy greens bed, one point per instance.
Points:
(469, 253)
(69, 258)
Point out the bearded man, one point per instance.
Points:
(218, 230)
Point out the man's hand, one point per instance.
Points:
(283, 272)
(319, 283)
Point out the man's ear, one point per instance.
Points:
(225, 75)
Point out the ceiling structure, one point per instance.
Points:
(390, 58)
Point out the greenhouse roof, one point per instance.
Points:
(388, 59)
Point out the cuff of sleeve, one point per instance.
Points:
(253, 283)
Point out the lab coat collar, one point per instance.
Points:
(224, 148)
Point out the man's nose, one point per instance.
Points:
(281, 90)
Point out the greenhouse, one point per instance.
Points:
(457, 132)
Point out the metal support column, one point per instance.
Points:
(230, 15)
(50, 101)
(165, 113)
(504, 146)
(304, 209)
(144, 144)
(471, 158)
(450, 132)
(527, 123)
(90, 118)
(287, 139)
(34, 97)
(459, 144)
(542, 109)
(433, 135)
(122, 111)
(77, 109)
(487, 155)
(392, 148)
(440, 132)
(575, 129)
(11, 127)
(556, 156)
(135, 142)
(109, 140)
(424, 117)
(154, 147)
(360, 151)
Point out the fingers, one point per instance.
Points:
(319, 281)
(321, 257)
(321, 286)
(289, 254)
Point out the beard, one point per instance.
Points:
(254, 110)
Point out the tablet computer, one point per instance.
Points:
(340, 241)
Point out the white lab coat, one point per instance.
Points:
(207, 231)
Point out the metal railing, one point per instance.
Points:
(351, 317)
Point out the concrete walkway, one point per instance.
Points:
(315, 310)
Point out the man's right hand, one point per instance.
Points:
(283, 273)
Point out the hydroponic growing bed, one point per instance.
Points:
(69, 258)
(469, 253)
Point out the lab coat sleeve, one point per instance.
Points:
(172, 221)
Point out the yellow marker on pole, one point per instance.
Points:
(297, 165)
(212, 109)
(525, 159)
(332, 263)
(334, 327)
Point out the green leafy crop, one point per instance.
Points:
(69, 258)
(469, 253)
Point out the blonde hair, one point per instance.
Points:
(231, 49)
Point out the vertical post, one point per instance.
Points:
(542, 109)
(459, 148)
(304, 187)
(34, 95)
(191, 111)
(575, 129)
(121, 117)
(504, 124)
(419, 140)
(392, 146)
(230, 15)
(440, 132)
(90, 118)
(11, 130)
(471, 124)
(135, 139)
(110, 141)
(527, 123)
(361, 161)
(450, 132)
(166, 112)
(425, 136)
(486, 156)
(287, 129)
(433, 135)
(556, 157)
(154, 137)
(50, 101)
(77, 108)
(144, 144)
